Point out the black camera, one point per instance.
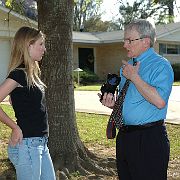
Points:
(110, 85)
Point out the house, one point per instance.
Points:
(100, 52)
(108, 52)
(10, 22)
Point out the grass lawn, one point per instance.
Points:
(97, 86)
(93, 87)
(92, 132)
(176, 83)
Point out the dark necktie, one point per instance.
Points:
(116, 114)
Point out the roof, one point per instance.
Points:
(165, 32)
(98, 37)
(11, 21)
(13, 14)
(85, 37)
(167, 29)
(168, 32)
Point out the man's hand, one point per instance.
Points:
(129, 71)
(108, 100)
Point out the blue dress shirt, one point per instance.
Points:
(157, 72)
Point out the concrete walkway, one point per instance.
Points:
(87, 101)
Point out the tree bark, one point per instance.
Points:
(55, 18)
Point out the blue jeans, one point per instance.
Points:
(32, 160)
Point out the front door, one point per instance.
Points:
(86, 59)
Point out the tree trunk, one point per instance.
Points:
(55, 18)
(170, 5)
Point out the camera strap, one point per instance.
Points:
(116, 114)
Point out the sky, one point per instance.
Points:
(111, 9)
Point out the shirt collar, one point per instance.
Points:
(145, 54)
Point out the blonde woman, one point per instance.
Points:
(27, 148)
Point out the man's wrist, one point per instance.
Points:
(135, 78)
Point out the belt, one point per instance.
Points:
(130, 128)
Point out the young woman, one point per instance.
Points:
(27, 148)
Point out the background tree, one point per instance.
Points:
(26, 8)
(168, 9)
(162, 11)
(55, 19)
(139, 9)
(86, 14)
(84, 10)
(95, 24)
(3, 3)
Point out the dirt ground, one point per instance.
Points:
(109, 154)
(103, 152)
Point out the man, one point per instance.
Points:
(142, 145)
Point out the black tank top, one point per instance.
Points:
(29, 106)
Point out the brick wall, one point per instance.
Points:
(108, 57)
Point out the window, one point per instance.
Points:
(169, 49)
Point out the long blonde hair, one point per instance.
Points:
(24, 37)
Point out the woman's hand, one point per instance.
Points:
(108, 100)
(16, 136)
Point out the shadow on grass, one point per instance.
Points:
(7, 174)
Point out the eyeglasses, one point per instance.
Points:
(129, 41)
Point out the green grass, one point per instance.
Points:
(97, 86)
(174, 137)
(5, 132)
(176, 83)
(93, 87)
(4, 137)
(92, 131)
(91, 128)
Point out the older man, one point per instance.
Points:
(142, 145)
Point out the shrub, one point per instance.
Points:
(176, 69)
(85, 77)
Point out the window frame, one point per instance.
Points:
(167, 49)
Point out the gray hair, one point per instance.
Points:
(144, 28)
